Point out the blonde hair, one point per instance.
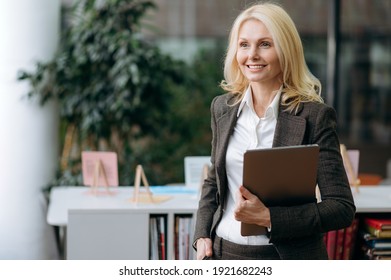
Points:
(299, 85)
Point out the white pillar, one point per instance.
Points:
(29, 32)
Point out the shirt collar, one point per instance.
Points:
(248, 100)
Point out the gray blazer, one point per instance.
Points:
(297, 232)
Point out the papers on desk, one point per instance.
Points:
(173, 190)
(157, 194)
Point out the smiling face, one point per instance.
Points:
(256, 54)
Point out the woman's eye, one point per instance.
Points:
(265, 44)
(243, 45)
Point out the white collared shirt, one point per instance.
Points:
(250, 132)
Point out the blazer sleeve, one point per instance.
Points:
(336, 209)
(208, 202)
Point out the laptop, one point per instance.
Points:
(281, 176)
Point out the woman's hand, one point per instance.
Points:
(204, 248)
(251, 210)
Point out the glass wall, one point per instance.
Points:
(364, 94)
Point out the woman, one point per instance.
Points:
(272, 100)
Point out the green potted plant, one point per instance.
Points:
(114, 88)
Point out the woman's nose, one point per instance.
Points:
(253, 53)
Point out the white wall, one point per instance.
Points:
(29, 32)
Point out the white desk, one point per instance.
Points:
(370, 199)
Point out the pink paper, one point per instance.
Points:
(109, 163)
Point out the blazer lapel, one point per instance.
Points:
(225, 127)
(290, 129)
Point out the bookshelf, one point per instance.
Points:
(112, 227)
(370, 201)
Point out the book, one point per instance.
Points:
(176, 237)
(381, 257)
(372, 253)
(378, 232)
(161, 237)
(339, 244)
(350, 240)
(381, 224)
(183, 229)
(374, 242)
(379, 243)
(331, 244)
(182, 239)
(157, 240)
(153, 240)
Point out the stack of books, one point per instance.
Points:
(157, 238)
(340, 243)
(182, 235)
(376, 236)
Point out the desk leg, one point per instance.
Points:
(60, 234)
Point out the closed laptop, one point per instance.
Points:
(281, 176)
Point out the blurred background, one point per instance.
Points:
(137, 78)
(347, 45)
